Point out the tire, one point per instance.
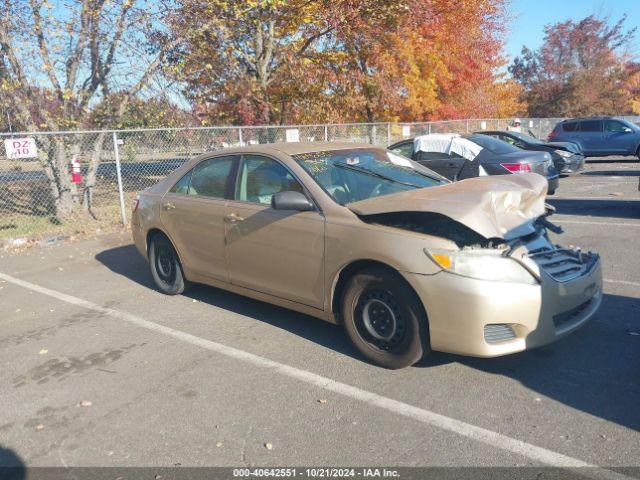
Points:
(384, 318)
(165, 266)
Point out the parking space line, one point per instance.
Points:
(581, 222)
(489, 437)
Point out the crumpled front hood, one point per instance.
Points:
(501, 206)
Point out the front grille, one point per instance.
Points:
(562, 264)
(498, 332)
(561, 319)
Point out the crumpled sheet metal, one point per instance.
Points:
(501, 206)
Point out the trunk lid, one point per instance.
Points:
(503, 206)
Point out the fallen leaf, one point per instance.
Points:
(268, 446)
(616, 194)
(60, 269)
(44, 351)
(538, 399)
(322, 400)
(219, 444)
(194, 301)
(85, 403)
(39, 428)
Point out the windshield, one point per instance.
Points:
(493, 144)
(358, 174)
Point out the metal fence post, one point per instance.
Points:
(429, 129)
(326, 133)
(539, 128)
(116, 153)
(240, 136)
(467, 126)
(388, 133)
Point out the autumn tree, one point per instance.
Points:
(154, 112)
(579, 70)
(236, 53)
(59, 59)
(270, 61)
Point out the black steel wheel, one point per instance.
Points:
(165, 266)
(385, 319)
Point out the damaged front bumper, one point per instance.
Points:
(573, 164)
(487, 318)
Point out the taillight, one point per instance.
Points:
(517, 167)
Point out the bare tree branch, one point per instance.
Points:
(44, 50)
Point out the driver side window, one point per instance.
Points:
(261, 177)
(614, 126)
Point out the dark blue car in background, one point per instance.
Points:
(599, 137)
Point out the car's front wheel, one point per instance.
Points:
(165, 266)
(384, 318)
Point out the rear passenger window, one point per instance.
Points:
(569, 126)
(210, 177)
(182, 186)
(591, 126)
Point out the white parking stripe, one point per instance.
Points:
(622, 282)
(580, 222)
(479, 434)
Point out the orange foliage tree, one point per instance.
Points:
(301, 61)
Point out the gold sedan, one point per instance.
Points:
(356, 235)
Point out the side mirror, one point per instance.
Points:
(291, 200)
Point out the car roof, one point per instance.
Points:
(589, 118)
(483, 132)
(293, 148)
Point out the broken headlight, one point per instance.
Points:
(482, 265)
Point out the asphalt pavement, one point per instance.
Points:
(99, 369)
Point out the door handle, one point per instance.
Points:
(168, 206)
(233, 218)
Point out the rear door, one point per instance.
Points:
(447, 165)
(590, 135)
(193, 215)
(277, 252)
(617, 138)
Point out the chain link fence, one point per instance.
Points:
(40, 197)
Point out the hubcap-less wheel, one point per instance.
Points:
(378, 319)
(165, 264)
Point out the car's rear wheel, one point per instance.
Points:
(384, 318)
(165, 266)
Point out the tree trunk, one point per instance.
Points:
(92, 171)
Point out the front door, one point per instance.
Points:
(280, 253)
(193, 216)
(618, 139)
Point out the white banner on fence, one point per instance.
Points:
(21, 147)
(292, 135)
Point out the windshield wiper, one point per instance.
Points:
(374, 174)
